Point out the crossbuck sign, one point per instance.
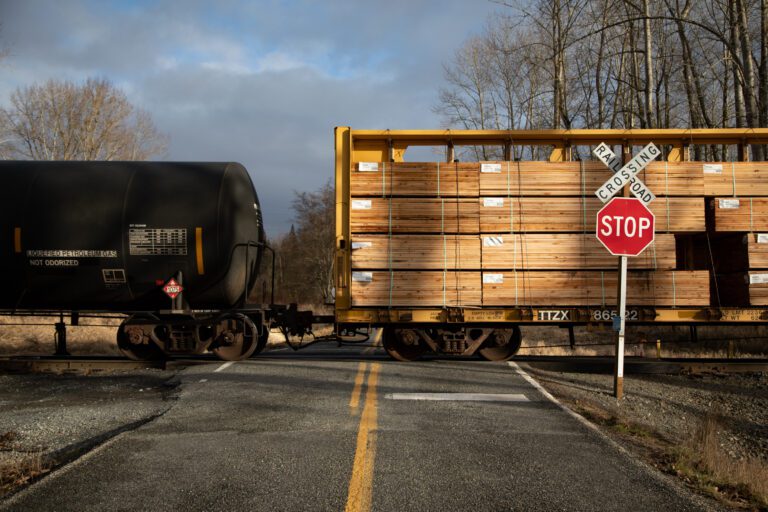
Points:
(626, 174)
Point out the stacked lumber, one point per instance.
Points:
(504, 215)
(583, 288)
(515, 234)
(735, 178)
(740, 213)
(416, 179)
(758, 288)
(499, 252)
(577, 214)
(757, 247)
(419, 289)
(583, 178)
(527, 288)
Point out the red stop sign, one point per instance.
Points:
(625, 226)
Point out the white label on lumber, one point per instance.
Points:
(728, 204)
(490, 167)
(713, 168)
(493, 241)
(362, 277)
(624, 175)
(361, 204)
(368, 166)
(758, 278)
(762, 238)
(493, 202)
(493, 278)
(361, 245)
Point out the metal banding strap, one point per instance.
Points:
(383, 179)
(512, 230)
(17, 240)
(733, 177)
(666, 189)
(389, 252)
(199, 250)
(750, 215)
(445, 249)
(438, 179)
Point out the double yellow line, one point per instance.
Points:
(361, 482)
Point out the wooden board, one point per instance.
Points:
(527, 288)
(416, 252)
(416, 179)
(544, 288)
(500, 252)
(740, 214)
(417, 289)
(414, 215)
(758, 251)
(735, 178)
(575, 214)
(583, 178)
(568, 252)
(758, 291)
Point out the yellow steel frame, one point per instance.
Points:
(391, 145)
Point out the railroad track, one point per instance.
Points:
(580, 364)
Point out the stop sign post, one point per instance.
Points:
(626, 228)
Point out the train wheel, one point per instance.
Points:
(236, 338)
(134, 339)
(261, 342)
(403, 344)
(502, 344)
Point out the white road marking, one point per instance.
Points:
(203, 380)
(224, 366)
(459, 397)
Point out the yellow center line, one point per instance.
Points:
(354, 400)
(361, 482)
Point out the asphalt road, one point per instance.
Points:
(348, 429)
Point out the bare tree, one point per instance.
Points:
(69, 121)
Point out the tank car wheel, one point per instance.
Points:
(134, 341)
(403, 344)
(502, 344)
(236, 338)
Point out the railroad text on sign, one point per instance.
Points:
(613, 162)
(624, 175)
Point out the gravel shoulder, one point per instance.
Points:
(47, 419)
(665, 420)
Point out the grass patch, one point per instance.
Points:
(704, 462)
(22, 471)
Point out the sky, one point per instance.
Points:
(261, 82)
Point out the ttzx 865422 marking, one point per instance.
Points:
(597, 315)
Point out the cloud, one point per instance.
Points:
(263, 83)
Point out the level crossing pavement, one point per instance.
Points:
(346, 428)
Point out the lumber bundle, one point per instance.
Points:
(659, 288)
(414, 215)
(735, 178)
(576, 214)
(757, 246)
(499, 252)
(527, 288)
(415, 179)
(583, 178)
(740, 214)
(416, 252)
(417, 289)
(758, 288)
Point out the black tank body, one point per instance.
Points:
(108, 235)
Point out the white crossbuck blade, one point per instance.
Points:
(626, 174)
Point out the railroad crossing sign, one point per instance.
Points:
(626, 174)
(625, 226)
(172, 288)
